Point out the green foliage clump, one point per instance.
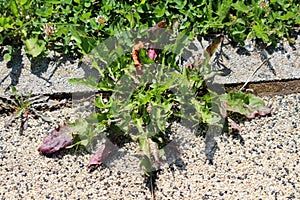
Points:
(140, 106)
(76, 26)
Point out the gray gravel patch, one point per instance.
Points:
(282, 65)
(47, 75)
(261, 164)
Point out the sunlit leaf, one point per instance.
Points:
(34, 46)
(211, 49)
(245, 104)
(14, 8)
(58, 139)
(159, 10)
(260, 32)
(106, 150)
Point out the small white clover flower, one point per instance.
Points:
(263, 3)
(49, 30)
(101, 19)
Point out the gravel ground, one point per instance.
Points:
(283, 63)
(261, 164)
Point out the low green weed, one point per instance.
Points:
(22, 107)
(76, 26)
(142, 104)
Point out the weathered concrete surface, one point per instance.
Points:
(51, 74)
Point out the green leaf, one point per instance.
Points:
(14, 8)
(80, 142)
(75, 35)
(260, 32)
(139, 4)
(288, 16)
(7, 57)
(45, 11)
(67, 2)
(34, 46)
(14, 91)
(100, 104)
(144, 58)
(90, 82)
(240, 6)
(87, 45)
(144, 146)
(85, 16)
(87, 4)
(22, 2)
(19, 113)
(159, 10)
(94, 24)
(180, 4)
(146, 165)
(80, 126)
(245, 104)
(223, 9)
(54, 2)
(297, 21)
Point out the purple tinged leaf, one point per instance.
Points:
(233, 125)
(154, 150)
(157, 26)
(58, 139)
(106, 149)
(261, 111)
(152, 54)
(223, 109)
(245, 104)
(24, 123)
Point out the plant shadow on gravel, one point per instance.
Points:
(38, 65)
(41, 64)
(16, 65)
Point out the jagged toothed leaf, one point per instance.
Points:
(89, 82)
(260, 32)
(245, 104)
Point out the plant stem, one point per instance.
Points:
(152, 188)
(254, 72)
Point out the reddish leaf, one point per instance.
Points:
(153, 147)
(245, 104)
(135, 53)
(157, 26)
(233, 125)
(135, 56)
(211, 49)
(152, 54)
(106, 149)
(223, 109)
(260, 111)
(58, 139)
